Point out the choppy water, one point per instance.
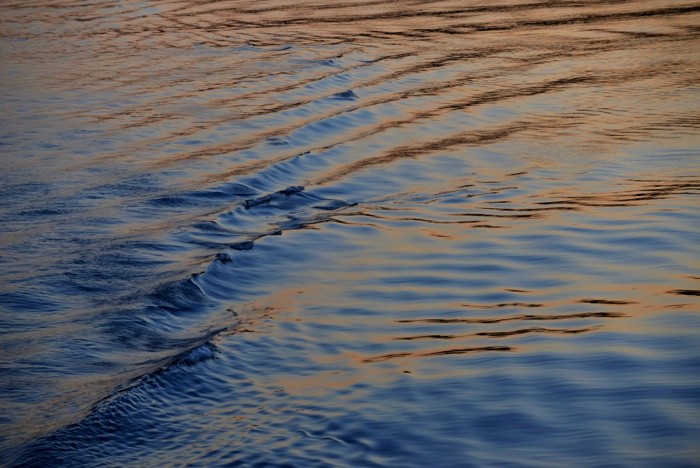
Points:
(349, 233)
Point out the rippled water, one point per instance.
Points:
(349, 233)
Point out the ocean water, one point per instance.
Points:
(349, 233)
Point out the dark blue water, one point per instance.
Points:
(349, 233)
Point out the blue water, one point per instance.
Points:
(349, 233)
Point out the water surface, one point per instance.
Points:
(351, 233)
